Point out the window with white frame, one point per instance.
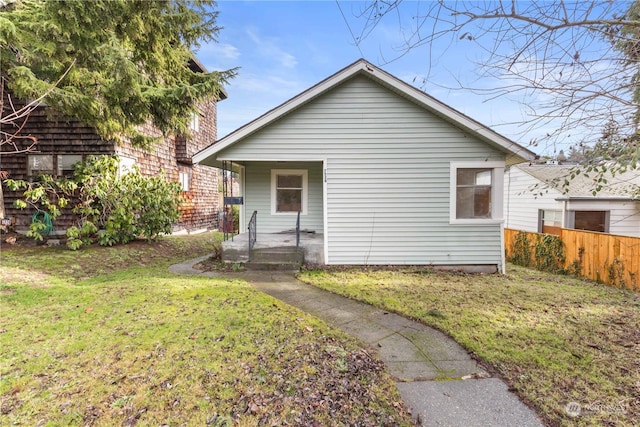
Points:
(476, 192)
(194, 125)
(289, 189)
(126, 165)
(184, 181)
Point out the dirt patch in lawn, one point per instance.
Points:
(9, 275)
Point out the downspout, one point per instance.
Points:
(503, 255)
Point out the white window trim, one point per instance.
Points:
(125, 165)
(194, 124)
(497, 192)
(185, 181)
(305, 189)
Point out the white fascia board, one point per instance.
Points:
(362, 66)
(280, 111)
(454, 116)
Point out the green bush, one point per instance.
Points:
(549, 254)
(521, 250)
(111, 209)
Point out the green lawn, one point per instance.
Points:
(107, 336)
(555, 339)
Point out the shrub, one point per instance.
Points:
(549, 254)
(110, 208)
(521, 250)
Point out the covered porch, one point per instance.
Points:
(311, 246)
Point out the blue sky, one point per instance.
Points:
(285, 47)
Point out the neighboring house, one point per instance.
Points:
(63, 141)
(386, 173)
(537, 200)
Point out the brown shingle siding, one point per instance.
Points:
(60, 135)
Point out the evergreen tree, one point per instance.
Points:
(126, 62)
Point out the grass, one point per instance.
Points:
(557, 340)
(108, 336)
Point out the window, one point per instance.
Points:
(40, 164)
(195, 122)
(590, 220)
(289, 191)
(184, 181)
(50, 164)
(550, 221)
(126, 165)
(66, 162)
(476, 192)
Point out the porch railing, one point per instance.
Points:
(298, 231)
(253, 231)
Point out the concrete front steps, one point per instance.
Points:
(283, 258)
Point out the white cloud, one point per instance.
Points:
(251, 95)
(227, 51)
(269, 47)
(218, 56)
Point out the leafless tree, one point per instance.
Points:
(575, 64)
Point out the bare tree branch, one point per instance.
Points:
(563, 58)
(13, 121)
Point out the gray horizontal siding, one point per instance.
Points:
(258, 197)
(522, 204)
(398, 213)
(387, 163)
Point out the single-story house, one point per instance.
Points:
(385, 173)
(544, 198)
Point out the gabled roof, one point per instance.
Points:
(515, 153)
(582, 186)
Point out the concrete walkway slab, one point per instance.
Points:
(428, 365)
(470, 403)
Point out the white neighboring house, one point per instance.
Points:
(537, 200)
(384, 172)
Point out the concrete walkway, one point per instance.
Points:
(436, 377)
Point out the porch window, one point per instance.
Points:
(476, 192)
(289, 191)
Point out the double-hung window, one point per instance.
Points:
(52, 164)
(289, 189)
(476, 192)
(40, 164)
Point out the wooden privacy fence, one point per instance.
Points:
(606, 258)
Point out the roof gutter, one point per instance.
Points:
(596, 199)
